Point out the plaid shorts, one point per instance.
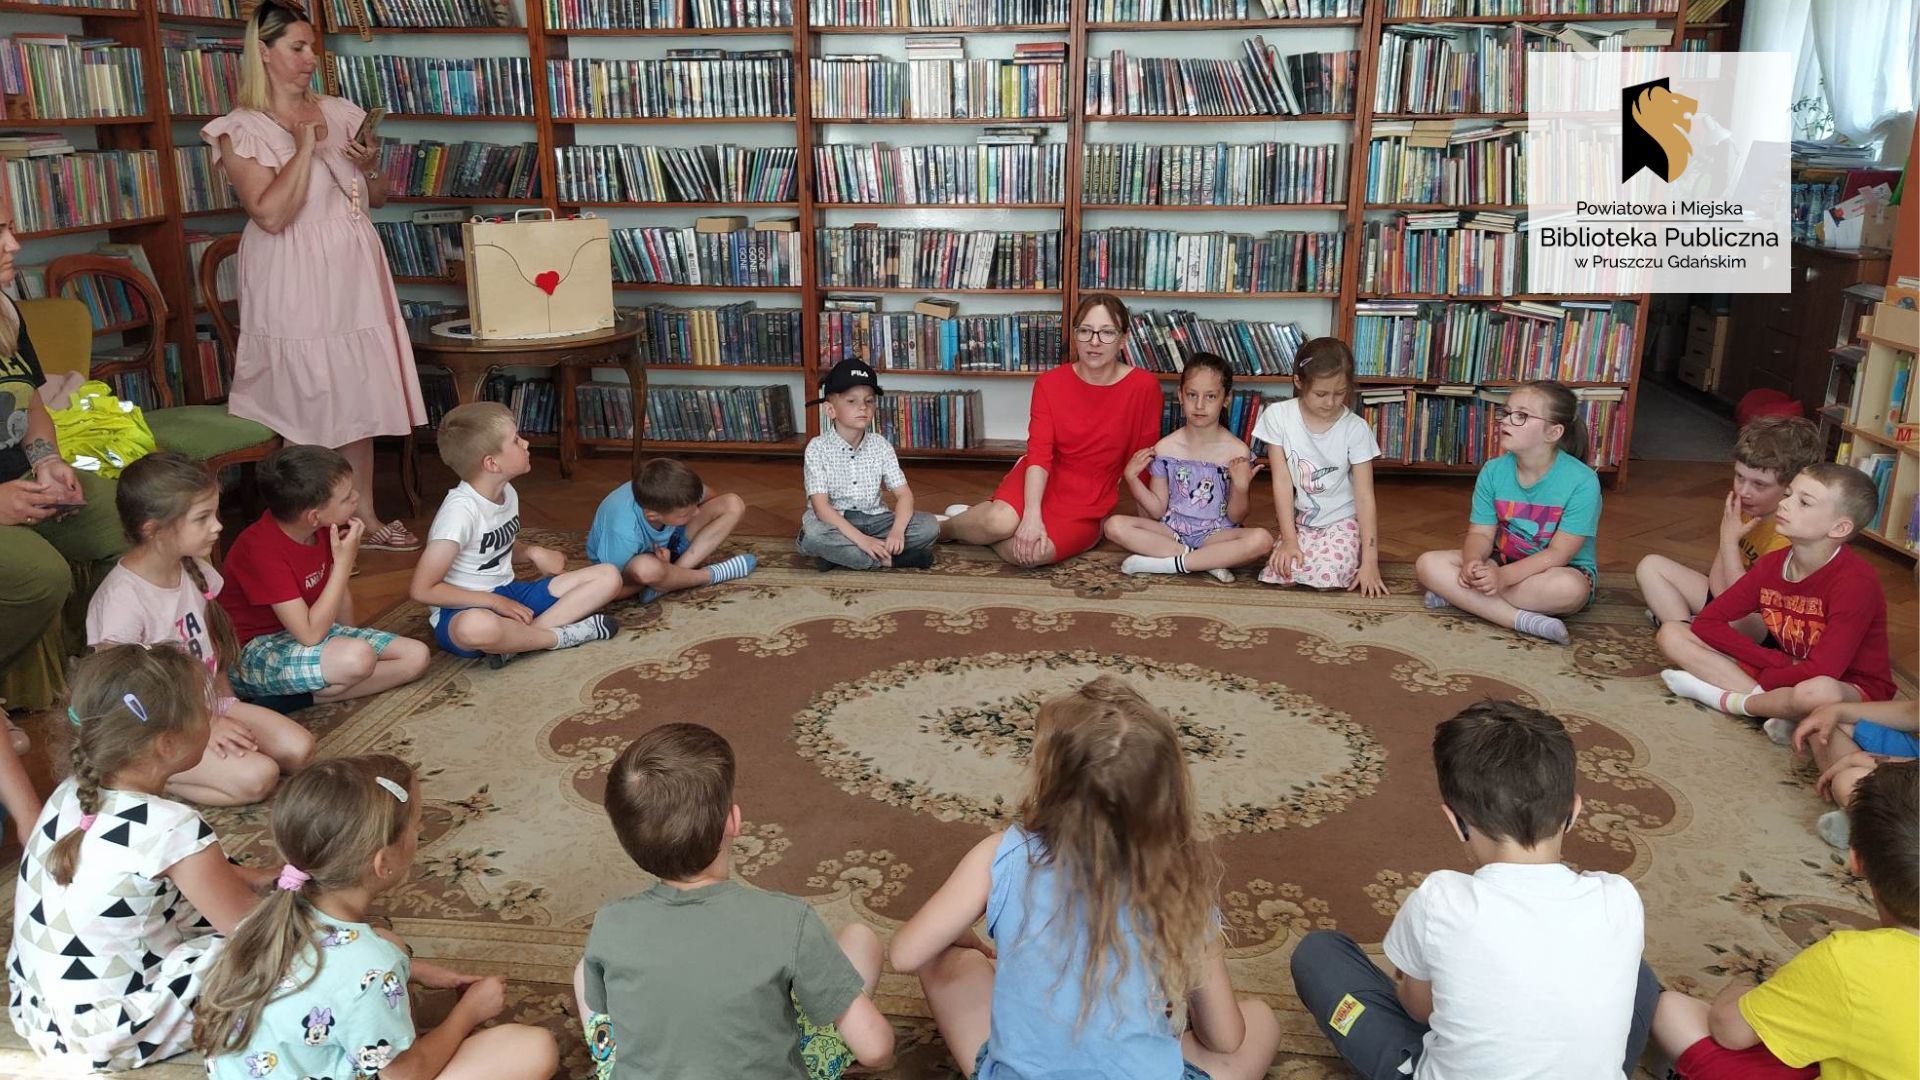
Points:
(277, 664)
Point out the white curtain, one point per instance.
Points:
(1864, 51)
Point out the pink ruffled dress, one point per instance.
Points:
(323, 356)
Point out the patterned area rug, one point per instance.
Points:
(883, 720)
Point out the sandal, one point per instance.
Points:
(393, 536)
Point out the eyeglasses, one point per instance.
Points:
(1514, 417)
(1107, 334)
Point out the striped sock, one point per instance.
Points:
(1434, 601)
(1690, 686)
(1540, 626)
(729, 569)
(1734, 704)
(1180, 561)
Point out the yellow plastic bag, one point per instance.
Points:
(101, 433)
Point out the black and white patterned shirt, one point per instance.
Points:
(850, 476)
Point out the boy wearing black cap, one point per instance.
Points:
(847, 523)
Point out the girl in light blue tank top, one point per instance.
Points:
(1106, 962)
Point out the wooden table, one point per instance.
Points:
(471, 360)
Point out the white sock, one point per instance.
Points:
(1779, 729)
(591, 628)
(728, 569)
(1222, 575)
(1149, 564)
(1690, 686)
(957, 509)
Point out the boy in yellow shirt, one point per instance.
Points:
(1767, 454)
(1844, 1008)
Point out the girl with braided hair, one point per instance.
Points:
(163, 591)
(306, 987)
(122, 893)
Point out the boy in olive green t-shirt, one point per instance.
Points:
(701, 976)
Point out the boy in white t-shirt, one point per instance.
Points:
(465, 575)
(1524, 968)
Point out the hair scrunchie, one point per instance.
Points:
(87, 820)
(292, 878)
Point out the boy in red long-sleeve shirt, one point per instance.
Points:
(1825, 614)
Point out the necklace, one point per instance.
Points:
(350, 189)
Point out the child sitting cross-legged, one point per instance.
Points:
(702, 976)
(846, 523)
(1846, 1008)
(657, 531)
(1848, 741)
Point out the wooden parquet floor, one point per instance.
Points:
(1670, 508)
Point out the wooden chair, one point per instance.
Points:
(205, 433)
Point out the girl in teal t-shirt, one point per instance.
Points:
(306, 988)
(1529, 555)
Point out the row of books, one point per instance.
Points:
(203, 187)
(666, 14)
(1435, 161)
(863, 87)
(873, 257)
(693, 255)
(418, 13)
(196, 9)
(935, 13)
(604, 410)
(1212, 174)
(1460, 9)
(913, 341)
(931, 419)
(686, 83)
(1264, 82)
(1163, 260)
(1463, 342)
(1459, 425)
(1477, 67)
(57, 76)
(226, 281)
(201, 70)
(1162, 341)
(721, 334)
(94, 187)
(1444, 252)
(415, 249)
(1385, 411)
(1238, 414)
(630, 172)
(1108, 11)
(1879, 468)
(535, 402)
(437, 391)
(962, 175)
(436, 86)
(463, 170)
(720, 413)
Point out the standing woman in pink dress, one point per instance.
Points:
(323, 356)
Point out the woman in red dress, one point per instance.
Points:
(1087, 421)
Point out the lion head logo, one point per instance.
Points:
(1655, 125)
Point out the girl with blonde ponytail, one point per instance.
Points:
(163, 591)
(307, 988)
(122, 892)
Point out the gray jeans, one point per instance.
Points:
(823, 541)
(1328, 965)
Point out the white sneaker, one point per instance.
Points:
(1779, 729)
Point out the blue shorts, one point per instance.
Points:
(1884, 741)
(534, 594)
(1189, 1071)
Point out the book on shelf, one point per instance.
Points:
(98, 5)
(535, 402)
(1443, 252)
(202, 71)
(435, 86)
(937, 82)
(937, 13)
(868, 256)
(1440, 161)
(1481, 67)
(1112, 11)
(1469, 342)
(687, 83)
(1385, 411)
(1879, 468)
(935, 308)
(990, 172)
(1238, 415)
(83, 188)
(1212, 174)
(61, 76)
(1163, 260)
(1526, 9)
(199, 9)
(762, 414)
(437, 392)
(203, 187)
(423, 14)
(732, 334)
(227, 281)
(1264, 82)
(930, 419)
(462, 170)
(604, 410)
(1162, 340)
(915, 341)
(209, 363)
(685, 256)
(419, 250)
(628, 172)
(637, 15)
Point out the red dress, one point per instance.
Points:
(1082, 435)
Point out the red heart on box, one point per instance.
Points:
(548, 280)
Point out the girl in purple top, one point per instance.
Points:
(1201, 474)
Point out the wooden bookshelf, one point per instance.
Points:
(1880, 418)
(1075, 128)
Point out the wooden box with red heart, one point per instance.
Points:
(536, 276)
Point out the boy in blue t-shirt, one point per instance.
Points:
(659, 529)
(1529, 554)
